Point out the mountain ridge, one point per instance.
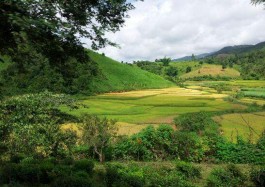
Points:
(236, 49)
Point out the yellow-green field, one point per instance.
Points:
(213, 70)
(249, 126)
(235, 83)
(135, 110)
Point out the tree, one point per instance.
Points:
(224, 66)
(258, 1)
(46, 35)
(97, 133)
(188, 69)
(30, 124)
(193, 57)
(171, 71)
(165, 61)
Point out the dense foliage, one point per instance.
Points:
(43, 40)
(230, 176)
(30, 125)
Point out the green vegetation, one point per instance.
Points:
(152, 106)
(213, 70)
(249, 126)
(121, 77)
(254, 92)
(146, 132)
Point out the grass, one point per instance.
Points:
(182, 66)
(234, 83)
(136, 109)
(122, 77)
(214, 70)
(233, 124)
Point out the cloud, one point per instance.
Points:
(175, 28)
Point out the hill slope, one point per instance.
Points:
(122, 77)
(213, 70)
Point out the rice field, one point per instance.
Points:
(135, 110)
(249, 126)
(254, 92)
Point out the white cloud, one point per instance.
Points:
(175, 28)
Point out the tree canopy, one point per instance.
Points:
(258, 1)
(46, 34)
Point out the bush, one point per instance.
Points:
(84, 165)
(29, 173)
(188, 170)
(189, 146)
(258, 177)
(163, 176)
(118, 175)
(230, 176)
(8, 173)
(72, 181)
(16, 158)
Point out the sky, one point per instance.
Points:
(177, 28)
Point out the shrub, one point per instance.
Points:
(84, 165)
(118, 175)
(189, 146)
(230, 176)
(16, 158)
(194, 122)
(8, 173)
(29, 173)
(149, 144)
(68, 161)
(258, 177)
(72, 181)
(158, 177)
(29, 160)
(188, 170)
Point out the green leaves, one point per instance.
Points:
(30, 124)
(40, 34)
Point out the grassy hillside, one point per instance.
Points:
(213, 70)
(182, 66)
(121, 77)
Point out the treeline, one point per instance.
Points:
(160, 67)
(251, 64)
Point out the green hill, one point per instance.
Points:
(121, 77)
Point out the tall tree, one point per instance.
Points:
(47, 34)
(98, 133)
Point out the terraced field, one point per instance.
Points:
(135, 110)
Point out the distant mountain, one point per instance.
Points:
(188, 58)
(237, 49)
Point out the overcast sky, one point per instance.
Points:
(176, 28)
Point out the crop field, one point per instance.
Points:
(135, 110)
(235, 83)
(213, 70)
(254, 92)
(248, 126)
